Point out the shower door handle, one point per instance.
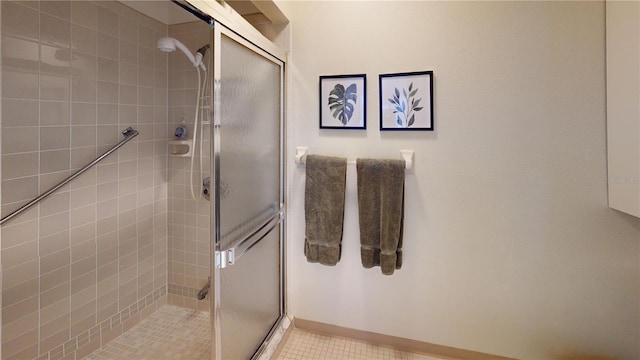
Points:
(228, 257)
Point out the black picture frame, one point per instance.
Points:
(406, 101)
(334, 90)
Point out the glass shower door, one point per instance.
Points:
(248, 196)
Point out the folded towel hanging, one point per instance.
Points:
(324, 208)
(381, 212)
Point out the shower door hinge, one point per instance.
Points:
(224, 258)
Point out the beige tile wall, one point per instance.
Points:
(92, 256)
(188, 219)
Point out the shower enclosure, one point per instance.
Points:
(143, 227)
(247, 197)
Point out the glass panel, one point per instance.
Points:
(249, 191)
(249, 141)
(250, 298)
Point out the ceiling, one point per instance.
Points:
(164, 11)
(169, 13)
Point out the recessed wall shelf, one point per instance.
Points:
(180, 147)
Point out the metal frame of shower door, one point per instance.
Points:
(220, 30)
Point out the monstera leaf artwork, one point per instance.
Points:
(342, 102)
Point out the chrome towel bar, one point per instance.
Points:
(128, 134)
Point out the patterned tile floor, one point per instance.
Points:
(303, 345)
(170, 333)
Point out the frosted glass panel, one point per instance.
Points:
(250, 298)
(249, 191)
(249, 140)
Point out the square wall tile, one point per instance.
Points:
(107, 21)
(19, 85)
(17, 112)
(108, 47)
(54, 161)
(19, 165)
(19, 189)
(19, 20)
(54, 113)
(83, 39)
(55, 60)
(83, 136)
(55, 31)
(84, 13)
(83, 113)
(108, 70)
(83, 89)
(55, 87)
(83, 65)
(61, 9)
(19, 54)
(54, 137)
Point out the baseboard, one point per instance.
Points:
(394, 341)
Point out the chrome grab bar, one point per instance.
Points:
(128, 134)
(205, 290)
(229, 256)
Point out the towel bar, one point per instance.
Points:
(407, 155)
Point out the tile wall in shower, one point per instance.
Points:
(188, 219)
(88, 261)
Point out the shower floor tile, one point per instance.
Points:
(172, 333)
(177, 333)
(302, 345)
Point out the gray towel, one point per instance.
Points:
(381, 210)
(324, 208)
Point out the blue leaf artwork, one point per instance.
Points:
(405, 115)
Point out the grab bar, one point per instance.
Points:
(128, 134)
(241, 247)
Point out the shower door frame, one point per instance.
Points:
(219, 259)
(222, 21)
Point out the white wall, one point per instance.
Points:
(510, 247)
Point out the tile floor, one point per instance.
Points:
(155, 338)
(303, 345)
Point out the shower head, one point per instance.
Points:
(169, 44)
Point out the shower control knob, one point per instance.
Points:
(205, 188)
